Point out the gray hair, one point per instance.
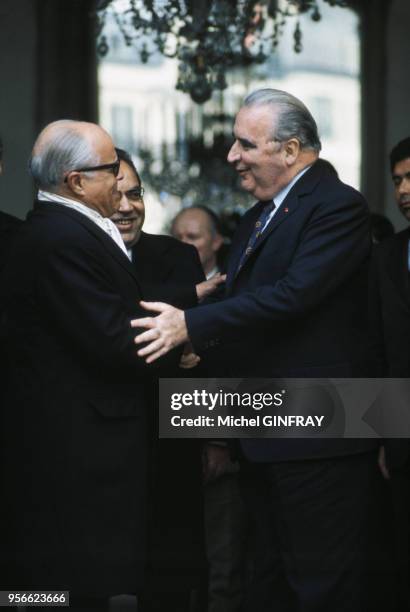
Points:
(67, 150)
(294, 119)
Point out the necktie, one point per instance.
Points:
(268, 207)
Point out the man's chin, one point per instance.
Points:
(406, 213)
(246, 183)
(130, 239)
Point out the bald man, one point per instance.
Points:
(74, 444)
(199, 226)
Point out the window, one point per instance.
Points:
(122, 127)
(170, 129)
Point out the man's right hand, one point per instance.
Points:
(207, 287)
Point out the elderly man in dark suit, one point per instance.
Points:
(389, 310)
(74, 433)
(294, 306)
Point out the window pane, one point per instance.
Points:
(181, 147)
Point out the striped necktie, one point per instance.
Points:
(267, 208)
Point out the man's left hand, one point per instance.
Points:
(164, 332)
(189, 359)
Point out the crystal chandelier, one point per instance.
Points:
(208, 37)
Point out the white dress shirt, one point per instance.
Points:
(279, 197)
(103, 223)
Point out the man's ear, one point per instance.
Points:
(292, 150)
(75, 183)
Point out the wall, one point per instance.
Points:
(47, 72)
(18, 40)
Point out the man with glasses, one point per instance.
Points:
(74, 431)
(169, 270)
(165, 266)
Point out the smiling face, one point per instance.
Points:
(130, 215)
(260, 161)
(401, 180)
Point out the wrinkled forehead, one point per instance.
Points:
(194, 221)
(101, 143)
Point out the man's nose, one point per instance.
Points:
(125, 206)
(404, 186)
(233, 154)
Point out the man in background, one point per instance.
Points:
(167, 270)
(8, 223)
(389, 314)
(199, 226)
(164, 265)
(225, 525)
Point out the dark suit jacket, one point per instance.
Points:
(297, 306)
(389, 316)
(74, 440)
(8, 228)
(168, 271)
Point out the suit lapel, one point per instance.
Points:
(241, 240)
(288, 207)
(110, 246)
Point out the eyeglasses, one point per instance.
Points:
(136, 194)
(114, 167)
